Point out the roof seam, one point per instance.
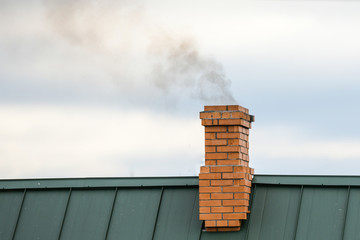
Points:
(346, 211)
(111, 213)
(157, 213)
(64, 216)
(298, 211)
(19, 214)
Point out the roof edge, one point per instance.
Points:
(97, 182)
(315, 180)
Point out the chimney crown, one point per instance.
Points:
(226, 115)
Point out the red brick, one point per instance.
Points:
(243, 196)
(244, 150)
(210, 115)
(216, 108)
(215, 156)
(248, 118)
(230, 121)
(228, 229)
(221, 142)
(204, 196)
(237, 189)
(233, 175)
(234, 129)
(242, 182)
(234, 216)
(204, 210)
(247, 183)
(234, 141)
(245, 123)
(211, 229)
(247, 189)
(222, 223)
(234, 223)
(228, 162)
(222, 182)
(241, 169)
(209, 176)
(209, 189)
(204, 169)
(210, 223)
(210, 149)
(211, 216)
(233, 107)
(216, 129)
(204, 183)
(235, 202)
(244, 137)
(221, 169)
(210, 162)
(240, 209)
(210, 135)
(226, 114)
(245, 110)
(244, 144)
(237, 107)
(222, 195)
(208, 203)
(229, 135)
(239, 115)
(207, 122)
(228, 148)
(235, 155)
(244, 162)
(238, 182)
(222, 209)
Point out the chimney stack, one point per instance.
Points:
(225, 180)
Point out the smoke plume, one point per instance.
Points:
(116, 30)
(180, 64)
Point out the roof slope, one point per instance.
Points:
(282, 207)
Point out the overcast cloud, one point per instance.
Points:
(114, 88)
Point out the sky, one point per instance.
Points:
(114, 88)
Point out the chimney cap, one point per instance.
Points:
(226, 108)
(226, 115)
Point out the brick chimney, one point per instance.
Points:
(225, 180)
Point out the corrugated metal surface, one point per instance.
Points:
(172, 219)
(134, 213)
(39, 209)
(282, 207)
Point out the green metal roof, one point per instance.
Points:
(282, 207)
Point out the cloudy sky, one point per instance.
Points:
(114, 88)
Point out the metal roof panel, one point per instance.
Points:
(134, 213)
(352, 224)
(322, 213)
(274, 210)
(88, 214)
(176, 218)
(38, 208)
(10, 205)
